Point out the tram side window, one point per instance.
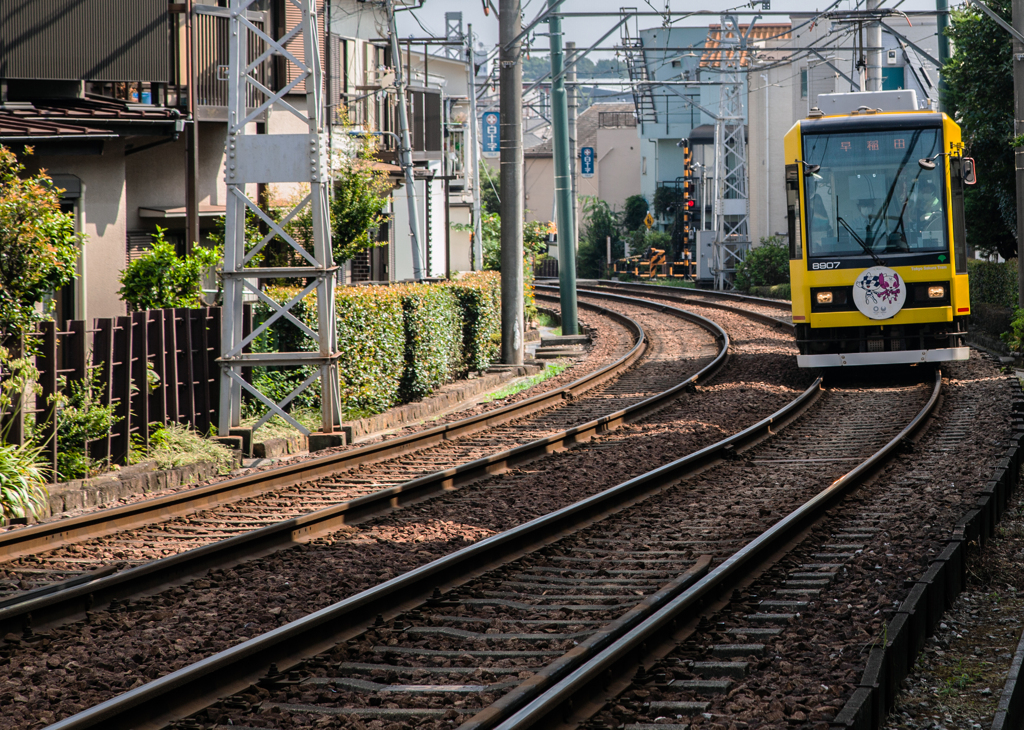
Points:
(793, 210)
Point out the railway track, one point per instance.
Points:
(530, 608)
(149, 545)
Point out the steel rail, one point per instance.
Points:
(687, 294)
(46, 536)
(592, 678)
(191, 688)
(51, 608)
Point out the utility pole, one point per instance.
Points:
(192, 233)
(406, 144)
(1018, 129)
(874, 57)
(563, 182)
(474, 152)
(510, 76)
(573, 104)
(942, 21)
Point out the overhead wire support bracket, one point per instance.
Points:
(999, 21)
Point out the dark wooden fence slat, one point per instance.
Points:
(155, 357)
(186, 380)
(201, 369)
(212, 366)
(171, 368)
(140, 393)
(46, 364)
(121, 375)
(102, 359)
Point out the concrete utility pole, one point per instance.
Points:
(874, 57)
(510, 77)
(563, 183)
(942, 21)
(574, 155)
(474, 153)
(1018, 129)
(406, 145)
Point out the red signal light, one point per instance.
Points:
(689, 203)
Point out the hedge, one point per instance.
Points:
(397, 343)
(479, 296)
(993, 283)
(433, 338)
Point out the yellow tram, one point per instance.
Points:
(878, 258)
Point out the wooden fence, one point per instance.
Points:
(157, 366)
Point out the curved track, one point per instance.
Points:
(370, 485)
(460, 654)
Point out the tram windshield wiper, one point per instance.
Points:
(858, 239)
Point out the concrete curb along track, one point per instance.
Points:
(48, 607)
(199, 685)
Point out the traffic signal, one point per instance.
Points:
(688, 189)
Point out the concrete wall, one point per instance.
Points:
(770, 103)
(618, 165)
(460, 240)
(103, 212)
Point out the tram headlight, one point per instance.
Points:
(936, 292)
(824, 297)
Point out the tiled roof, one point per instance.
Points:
(96, 108)
(713, 56)
(13, 126)
(586, 128)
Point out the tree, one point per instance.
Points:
(634, 210)
(979, 80)
(490, 189)
(162, 280)
(360, 200)
(599, 222)
(38, 246)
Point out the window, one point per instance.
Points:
(870, 193)
(803, 83)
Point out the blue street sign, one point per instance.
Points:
(491, 134)
(587, 161)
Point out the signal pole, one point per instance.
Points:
(1018, 129)
(563, 182)
(474, 142)
(510, 77)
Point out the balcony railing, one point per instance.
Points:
(212, 34)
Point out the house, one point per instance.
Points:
(610, 130)
(134, 129)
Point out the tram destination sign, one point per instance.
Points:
(490, 134)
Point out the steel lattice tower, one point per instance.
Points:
(732, 204)
(276, 158)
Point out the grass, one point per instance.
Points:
(176, 445)
(678, 283)
(277, 427)
(552, 369)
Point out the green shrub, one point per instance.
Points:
(80, 418)
(162, 280)
(433, 339)
(993, 283)
(778, 291)
(22, 484)
(479, 297)
(766, 265)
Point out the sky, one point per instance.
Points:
(585, 31)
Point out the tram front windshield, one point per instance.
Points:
(871, 196)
